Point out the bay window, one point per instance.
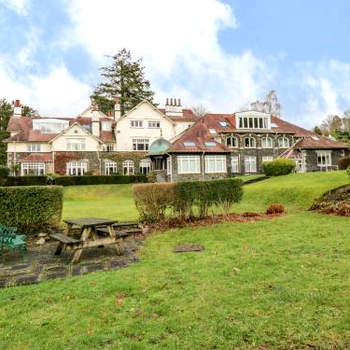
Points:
(188, 164)
(36, 169)
(215, 164)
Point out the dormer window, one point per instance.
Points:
(283, 142)
(252, 120)
(189, 144)
(106, 126)
(231, 141)
(249, 142)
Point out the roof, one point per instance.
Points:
(159, 146)
(37, 157)
(187, 116)
(198, 138)
(320, 142)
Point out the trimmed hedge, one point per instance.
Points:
(98, 180)
(182, 198)
(4, 173)
(31, 208)
(279, 166)
(73, 180)
(344, 163)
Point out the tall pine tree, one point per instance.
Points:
(124, 78)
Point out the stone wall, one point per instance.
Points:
(62, 158)
(311, 159)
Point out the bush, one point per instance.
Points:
(348, 171)
(4, 173)
(153, 200)
(279, 166)
(26, 181)
(344, 163)
(31, 208)
(98, 180)
(275, 208)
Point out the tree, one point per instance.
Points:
(124, 78)
(270, 105)
(317, 130)
(105, 105)
(6, 110)
(28, 111)
(199, 110)
(331, 125)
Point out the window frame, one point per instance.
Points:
(267, 138)
(137, 124)
(77, 167)
(157, 122)
(219, 163)
(250, 144)
(33, 147)
(81, 145)
(282, 140)
(136, 142)
(248, 160)
(235, 164)
(128, 167)
(143, 167)
(28, 167)
(196, 169)
(235, 138)
(263, 159)
(327, 156)
(110, 165)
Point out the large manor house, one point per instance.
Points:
(173, 142)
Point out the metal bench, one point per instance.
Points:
(9, 238)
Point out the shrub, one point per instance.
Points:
(26, 181)
(275, 208)
(348, 171)
(31, 208)
(344, 163)
(4, 173)
(153, 200)
(279, 166)
(98, 180)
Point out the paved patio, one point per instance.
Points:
(41, 264)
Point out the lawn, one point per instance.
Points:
(281, 283)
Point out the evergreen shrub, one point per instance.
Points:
(31, 208)
(344, 163)
(279, 166)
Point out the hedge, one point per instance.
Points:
(153, 201)
(279, 166)
(31, 208)
(344, 163)
(73, 180)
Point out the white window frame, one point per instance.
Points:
(153, 124)
(252, 142)
(324, 159)
(250, 164)
(136, 124)
(33, 168)
(283, 142)
(145, 166)
(267, 142)
(106, 126)
(76, 144)
(231, 138)
(253, 122)
(189, 164)
(77, 167)
(108, 147)
(215, 164)
(266, 159)
(110, 167)
(34, 147)
(140, 144)
(128, 167)
(235, 164)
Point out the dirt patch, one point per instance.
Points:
(175, 222)
(188, 248)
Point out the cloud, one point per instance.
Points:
(20, 6)
(179, 41)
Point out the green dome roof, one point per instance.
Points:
(159, 146)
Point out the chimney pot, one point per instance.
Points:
(179, 102)
(171, 101)
(18, 103)
(167, 102)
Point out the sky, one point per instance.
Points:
(222, 54)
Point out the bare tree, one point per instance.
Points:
(270, 105)
(199, 110)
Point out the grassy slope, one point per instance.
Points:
(291, 289)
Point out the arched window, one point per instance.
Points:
(266, 142)
(249, 142)
(128, 167)
(110, 167)
(283, 142)
(145, 166)
(231, 141)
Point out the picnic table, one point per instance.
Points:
(89, 228)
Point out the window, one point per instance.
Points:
(212, 131)
(189, 144)
(75, 144)
(128, 167)
(50, 126)
(77, 167)
(215, 164)
(188, 164)
(267, 159)
(145, 166)
(106, 126)
(253, 122)
(324, 158)
(266, 142)
(231, 141)
(222, 123)
(140, 144)
(159, 163)
(249, 142)
(33, 147)
(250, 164)
(110, 167)
(136, 123)
(234, 164)
(109, 147)
(154, 124)
(283, 142)
(32, 169)
(210, 144)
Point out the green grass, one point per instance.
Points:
(281, 283)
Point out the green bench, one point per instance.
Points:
(10, 239)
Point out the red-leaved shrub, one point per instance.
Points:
(275, 208)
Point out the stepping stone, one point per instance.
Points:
(188, 248)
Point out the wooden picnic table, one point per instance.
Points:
(89, 236)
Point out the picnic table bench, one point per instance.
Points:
(88, 236)
(10, 238)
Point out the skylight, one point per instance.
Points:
(212, 131)
(210, 144)
(274, 125)
(223, 123)
(189, 144)
(315, 138)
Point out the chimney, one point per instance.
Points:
(167, 102)
(117, 112)
(173, 107)
(17, 109)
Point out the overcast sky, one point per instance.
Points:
(223, 54)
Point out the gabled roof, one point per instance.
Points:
(320, 142)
